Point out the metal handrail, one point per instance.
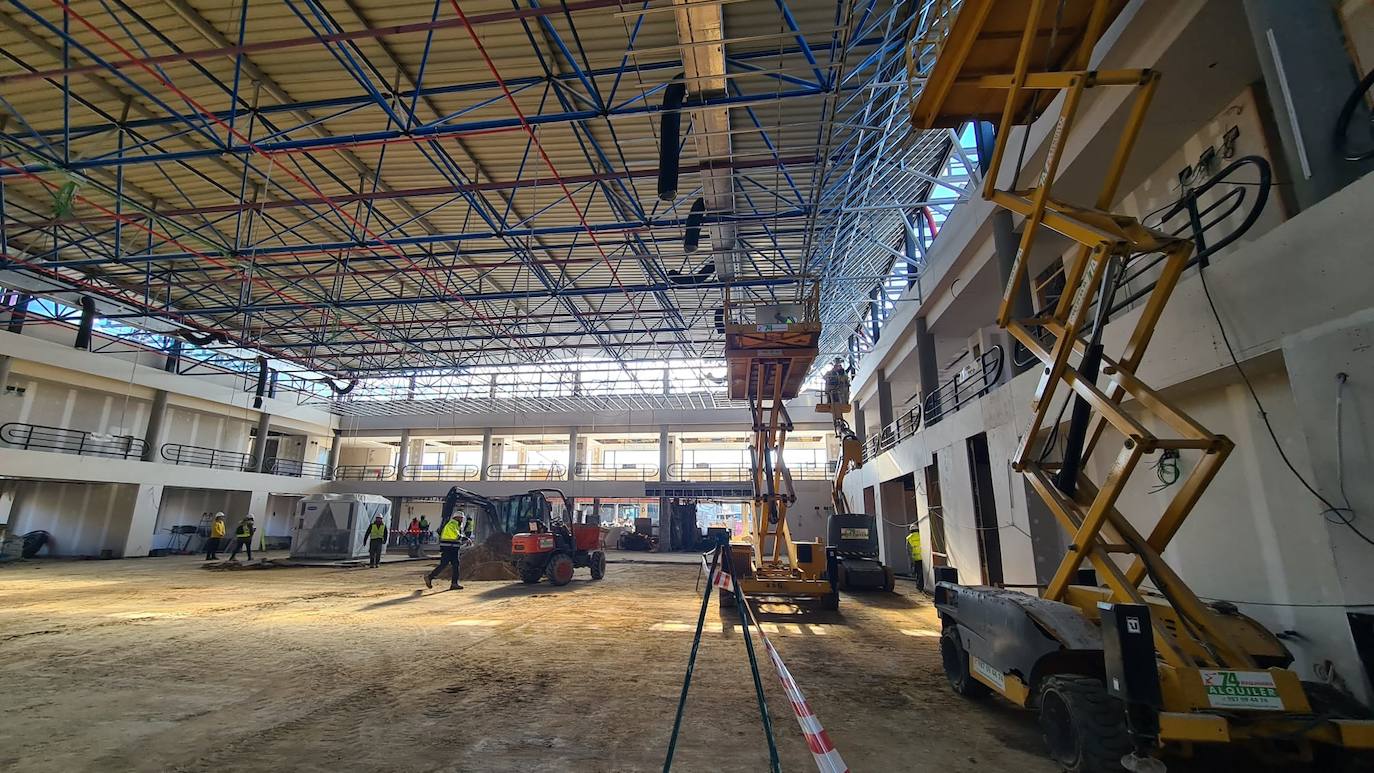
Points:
(526, 472)
(708, 472)
(953, 394)
(364, 472)
(295, 468)
(37, 437)
(201, 456)
(616, 471)
(440, 472)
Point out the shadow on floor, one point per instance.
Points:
(412, 596)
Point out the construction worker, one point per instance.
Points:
(450, 542)
(376, 540)
(424, 529)
(216, 537)
(837, 383)
(913, 544)
(243, 537)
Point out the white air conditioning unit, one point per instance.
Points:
(333, 526)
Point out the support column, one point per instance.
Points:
(260, 443)
(665, 453)
(928, 369)
(403, 455)
(87, 324)
(152, 436)
(860, 422)
(486, 454)
(573, 457)
(333, 459)
(1308, 74)
(6, 362)
(665, 508)
(142, 521)
(19, 314)
(885, 413)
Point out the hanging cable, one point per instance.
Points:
(1343, 515)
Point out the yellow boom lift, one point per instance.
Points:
(1119, 674)
(769, 349)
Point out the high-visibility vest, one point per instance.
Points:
(913, 541)
(244, 531)
(452, 532)
(376, 531)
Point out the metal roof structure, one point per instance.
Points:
(397, 190)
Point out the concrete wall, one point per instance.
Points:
(84, 519)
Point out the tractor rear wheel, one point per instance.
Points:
(1084, 727)
(889, 580)
(530, 573)
(598, 564)
(841, 577)
(560, 569)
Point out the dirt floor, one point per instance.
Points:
(156, 664)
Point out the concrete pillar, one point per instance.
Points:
(885, 413)
(403, 454)
(257, 506)
(486, 454)
(152, 437)
(260, 442)
(665, 453)
(860, 426)
(142, 521)
(1308, 74)
(665, 459)
(927, 367)
(6, 501)
(573, 457)
(6, 362)
(333, 459)
(19, 314)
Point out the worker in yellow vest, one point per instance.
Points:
(450, 542)
(216, 538)
(243, 537)
(376, 540)
(913, 544)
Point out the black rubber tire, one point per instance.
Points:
(830, 602)
(955, 659)
(1084, 727)
(530, 574)
(841, 578)
(727, 598)
(598, 564)
(889, 580)
(560, 569)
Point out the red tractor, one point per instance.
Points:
(554, 548)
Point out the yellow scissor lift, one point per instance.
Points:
(1118, 673)
(769, 349)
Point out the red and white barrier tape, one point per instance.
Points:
(827, 758)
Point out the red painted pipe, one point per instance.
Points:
(434, 190)
(66, 9)
(285, 43)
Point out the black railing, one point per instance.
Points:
(960, 390)
(200, 456)
(297, 469)
(527, 472)
(36, 437)
(364, 472)
(616, 471)
(440, 472)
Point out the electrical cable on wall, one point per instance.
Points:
(1343, 515)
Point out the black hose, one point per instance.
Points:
(1352, 102)
(669, 127)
